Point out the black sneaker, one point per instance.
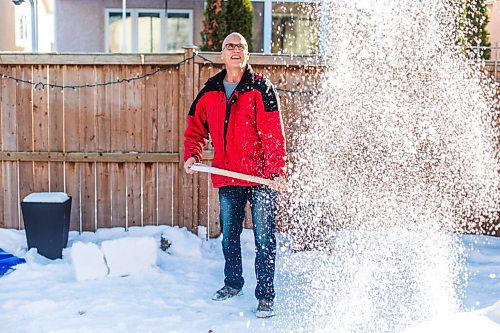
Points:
(225, 293)
(265, 309)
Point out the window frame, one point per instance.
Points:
(134, 16)
(22, 28)
(268, 23)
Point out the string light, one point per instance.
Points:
(41, 85)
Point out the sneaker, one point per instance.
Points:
(265, 309)
(225, 293)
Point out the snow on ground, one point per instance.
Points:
(174, 295)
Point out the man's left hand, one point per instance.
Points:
(278, 184)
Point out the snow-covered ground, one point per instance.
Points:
(173, 293)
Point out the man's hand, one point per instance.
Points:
(187, 165)
(279, 184)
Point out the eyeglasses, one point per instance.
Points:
(239, 47)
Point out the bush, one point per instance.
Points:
(473, 24)
(214, 26)
(239, 18)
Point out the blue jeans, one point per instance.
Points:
(233, 200)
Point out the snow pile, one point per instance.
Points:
(43, 296)
(493, 313)
(485, 321)
(47, 197)
(129, 255)
(119, 257)
(88, 261)
(182, 244)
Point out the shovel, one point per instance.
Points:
(216, 171)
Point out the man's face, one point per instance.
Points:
(235, 52)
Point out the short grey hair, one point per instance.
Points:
(244, 41)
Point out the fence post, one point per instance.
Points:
(188, 194)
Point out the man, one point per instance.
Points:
(240, 111)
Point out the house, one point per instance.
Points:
(494, 27)
(16, 29)
(161, 25)
(150, 25)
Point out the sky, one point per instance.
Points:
(114, 280)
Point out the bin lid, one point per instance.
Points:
(52, 197)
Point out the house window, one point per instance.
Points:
(179, 31)
(295, 28)
(115, 33)
(258, 26)
(22, 28)
(149, 31)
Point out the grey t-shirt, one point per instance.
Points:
(229, 87)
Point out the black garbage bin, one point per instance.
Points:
(46, 221)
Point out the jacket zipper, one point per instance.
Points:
(228, 114)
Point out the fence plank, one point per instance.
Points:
(9, 111)
(73, 185)
(56, 128)
(149, 194)
(24, 116)
(40, 110)
(55, 109)
(134, 143)
(41, 176)
(104, 96)
(150, 113)
(71, 142)
(71, 110)
(88, 196)
(103, 195)
(87, 113)
(118, 105)
(9, 143)
(3, 223)
(133, 174)
(164, 102)
(24, 112)
(11, 195)
(88, 110)
(2, 220)
(213, 210)
(104, 104)
(176, 91)
(150, 139)
(179, 200)
(2, 106)
(203, 185)
(118, 111)
(134, 111)
(26, 183)
(188, 209)
(178, 112)
(166, 188)
(119, 195)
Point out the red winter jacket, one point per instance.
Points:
(246, 129)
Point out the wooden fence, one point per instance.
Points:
(114, 141)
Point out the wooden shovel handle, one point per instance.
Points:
(209, 169)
